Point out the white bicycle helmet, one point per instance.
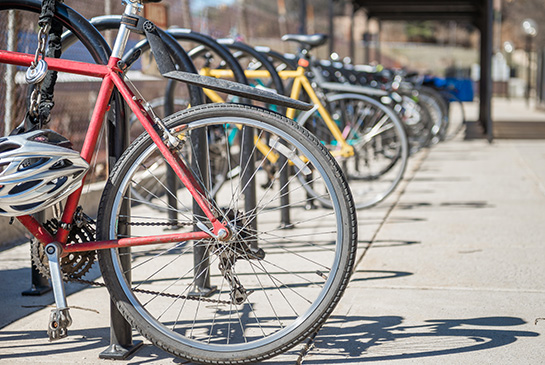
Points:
(37, 170)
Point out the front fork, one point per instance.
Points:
(60, 319)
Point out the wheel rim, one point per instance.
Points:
(268, 336)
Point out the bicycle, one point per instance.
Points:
(419, 113)
(366, 137)
(208, 289)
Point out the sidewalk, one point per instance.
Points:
(450, 270)
(455, 275)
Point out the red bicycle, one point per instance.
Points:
(222, 282)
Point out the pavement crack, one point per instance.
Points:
(395, 204)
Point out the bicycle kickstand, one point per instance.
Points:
(60, 319)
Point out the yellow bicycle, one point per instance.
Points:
(366, 137)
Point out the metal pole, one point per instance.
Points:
(186, 14)
(199, 164)
(171, 178)
(529, 68)
(366, 47)
(485, 84)
(282, 21)
(352, 48)
(538, 77)
(248, 161)
(331, 28)
(9, 77)
(303, 17)
(108, 11)
(377, 48)
(121, 343)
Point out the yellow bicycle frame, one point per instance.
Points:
(300, 81)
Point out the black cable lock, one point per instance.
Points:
(54, 50)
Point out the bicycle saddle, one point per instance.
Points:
(307, 40)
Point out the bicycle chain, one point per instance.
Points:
(176, 224)
(152, 292)
(68, 278)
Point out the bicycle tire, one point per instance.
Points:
(379, 160)
(439, 102)
(418, 123)
(436, 115)
(305, 269)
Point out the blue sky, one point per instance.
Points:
(198, 5)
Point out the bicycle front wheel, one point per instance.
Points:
(260, 292)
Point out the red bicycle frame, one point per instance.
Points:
(110, 75)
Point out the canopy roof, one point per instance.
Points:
(477, 12)
(459, 10)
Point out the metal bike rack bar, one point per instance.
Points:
(187, 35)
(121, 343)
(39, 284)
(239, 47)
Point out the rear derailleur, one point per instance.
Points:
(238, 247)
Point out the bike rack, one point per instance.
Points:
(187, 35)
(239, 47)
(39, 284)
(121, 344)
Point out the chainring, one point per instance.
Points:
(74, 265)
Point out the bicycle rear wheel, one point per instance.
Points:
(257, 294)
(418, 123)
(381, 148)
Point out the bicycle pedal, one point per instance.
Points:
(59, 321)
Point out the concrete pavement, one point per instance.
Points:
(450, 270)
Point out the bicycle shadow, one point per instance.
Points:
(358, 339)
(33, 343)
(84, 344)
(354, 339)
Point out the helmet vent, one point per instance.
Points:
(61, 164)
(31, 163)
(57, 183)
(19, 188)
(7, 146)
(25, 206)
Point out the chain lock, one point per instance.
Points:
(38, 68)
(37, 71)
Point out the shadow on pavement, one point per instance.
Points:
(358, 339)
(78, 340)
(394, 243)
(88, 342)
(377, 275)
(449, 205)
